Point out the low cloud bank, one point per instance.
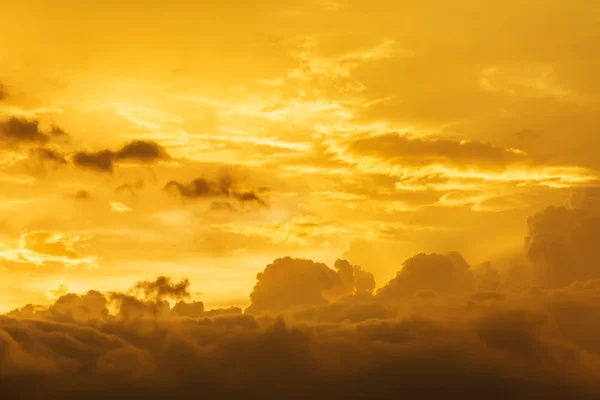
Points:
(440, 329)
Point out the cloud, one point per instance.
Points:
(441, 273)
(525, 343)
(43, 159)
(419, 151)
(223, 187)
(48, 243)
(39, 247)
(142, 150)
(562, 241)
(163, 288)
(118, 207)
(46, 154)
(290, 283)
(192, 310)
(137, 150)
(16, 131)
(130, 188)
(82, 195)
(3, 92)
(424, 163)
(99, 161)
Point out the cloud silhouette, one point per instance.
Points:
(562, 241)
(290, 283)
(3, 92)
(441, 273)
(225, 186)
(137, 150)
(524, 344)
(143, 150)
(19, 130)
(99, 161)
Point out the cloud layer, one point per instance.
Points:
(440, 329)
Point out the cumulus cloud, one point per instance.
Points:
(441, 273)
(482, 346)
(225, 186)
(562, 241)
(290, 283)
(439, 329)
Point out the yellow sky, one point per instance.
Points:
(204, 140)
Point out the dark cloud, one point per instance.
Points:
(439, 329)
(290, 283)
(192, 310)
(441, 273)
(99, 161)
(536, 344)
(142, 150)
(223, 187)
(137, 150)
(41, 160)
(3, 92)
(162, 288)
(82, 195)
(415, 151)
(345, 311)
(47, 154)
(17, 131)
(130, 188)
(196, 309)
(57, 131)
(562, 241)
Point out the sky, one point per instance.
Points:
(363, 127)
(388, 147)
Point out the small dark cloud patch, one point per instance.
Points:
(57, 131)
(3, 92)
(130, 188)
(223, 187)
(142, 150)
(163, 287)
(19, 130)
(82, 195)
(98, 161)
(44, 159)
(137, 150)
(48, 154)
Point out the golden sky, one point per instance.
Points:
(370, 130)
(311, 195)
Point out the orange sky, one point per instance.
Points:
(369, 130)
